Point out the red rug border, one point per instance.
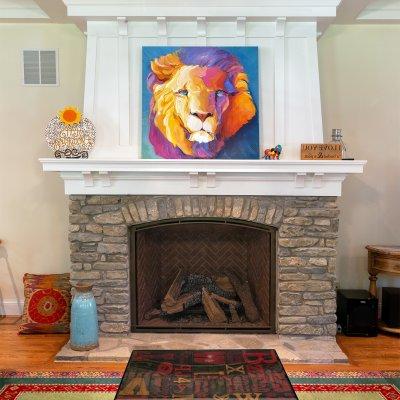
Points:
(117, 374)
(389, 392)
(11, 392)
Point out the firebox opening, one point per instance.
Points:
(206, 274)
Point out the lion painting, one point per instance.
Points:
(200, 100)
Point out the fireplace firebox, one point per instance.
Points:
(206, 274)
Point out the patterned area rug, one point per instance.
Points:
(103, 386)
(205, 374)
(346, 385)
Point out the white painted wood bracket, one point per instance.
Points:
(318, 180)
(300, 179)
(241, 30)
(194, 179)
(162, 31)
(105, 178)
(87, 178)
(211, 179)
(201, 31)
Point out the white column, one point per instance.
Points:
(279, 58)
(123, 82)
(315, 95)
(90, 76)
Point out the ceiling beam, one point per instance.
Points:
(349, 10)
(57, 12)
(55, 9)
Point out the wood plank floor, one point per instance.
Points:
(36, 353)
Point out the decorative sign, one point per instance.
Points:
(321, 151)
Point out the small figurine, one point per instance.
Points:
(273, 153)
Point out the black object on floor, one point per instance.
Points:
(357, 312)
(391, 306)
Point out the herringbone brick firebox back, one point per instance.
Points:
(208, 247)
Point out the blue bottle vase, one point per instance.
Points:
(84, 323)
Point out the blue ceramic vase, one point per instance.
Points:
(84, 322)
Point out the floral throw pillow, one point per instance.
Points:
(47, 304)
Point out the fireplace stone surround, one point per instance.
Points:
(305, 262)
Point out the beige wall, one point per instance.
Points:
(360, 85)
(33, 207)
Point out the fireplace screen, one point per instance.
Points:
(203, 275)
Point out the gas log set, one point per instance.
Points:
(221, 299)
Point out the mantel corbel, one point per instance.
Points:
(87, 178)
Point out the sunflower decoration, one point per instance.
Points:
(70, 115)
(70, 134)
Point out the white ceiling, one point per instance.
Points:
(15, 9)
(382, 11)
(348, 12)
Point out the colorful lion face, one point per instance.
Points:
(200, 98)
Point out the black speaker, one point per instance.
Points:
(357, 312)
(391, 306)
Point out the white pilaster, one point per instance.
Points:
(279, 81)
(90, 80)
(123, 82)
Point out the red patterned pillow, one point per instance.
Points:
(47, 304)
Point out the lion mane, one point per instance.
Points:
(217, 119)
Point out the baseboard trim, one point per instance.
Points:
(11, 307)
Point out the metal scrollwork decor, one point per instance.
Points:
(70, 134)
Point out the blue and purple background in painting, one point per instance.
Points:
(245, 143)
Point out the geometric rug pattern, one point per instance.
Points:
(371, 385)
(205, 374)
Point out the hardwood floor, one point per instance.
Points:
(36, 353)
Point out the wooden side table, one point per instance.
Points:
(382, 259)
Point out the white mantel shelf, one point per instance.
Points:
(201, 177)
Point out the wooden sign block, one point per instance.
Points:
(321, 151)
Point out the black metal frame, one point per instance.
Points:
(133, 229)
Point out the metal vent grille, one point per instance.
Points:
(40, 67)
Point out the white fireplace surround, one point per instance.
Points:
(289, 109)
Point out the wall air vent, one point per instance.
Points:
(40, 67)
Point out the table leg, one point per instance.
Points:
(372, 282)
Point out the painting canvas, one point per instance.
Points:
(200, 102)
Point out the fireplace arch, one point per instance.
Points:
(222, 272)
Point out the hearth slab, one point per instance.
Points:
(323, 350)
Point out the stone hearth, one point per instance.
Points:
(306, 250)
(290, 349)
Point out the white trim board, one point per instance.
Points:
(11, 307)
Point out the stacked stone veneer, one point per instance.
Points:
(306, 250)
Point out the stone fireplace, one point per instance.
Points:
(138, 225)
(289, 261)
